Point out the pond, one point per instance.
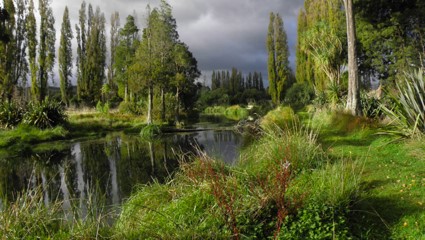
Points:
(108, 168)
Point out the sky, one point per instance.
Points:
(221, 34)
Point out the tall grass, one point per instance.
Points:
(408, 109)
(28, 217)
(261, 197)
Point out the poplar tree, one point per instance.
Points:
(65, 58)
(31, 27)
(81, 49)
(114, 36)
(20, 67)
(94, 67)
(278, 63)
(46, 50)
(7, 51)
(91, 54)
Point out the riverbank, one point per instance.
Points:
(326, 175)
(80, 124)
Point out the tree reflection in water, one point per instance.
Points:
(106, 169)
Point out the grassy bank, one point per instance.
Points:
(235, 112)
(80, 124)
(270, 193)
(338, 178)
(392, 202)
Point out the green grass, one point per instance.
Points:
(28, 134)
(29, 218)
(79, 125)
(391, 204)
(235, 112)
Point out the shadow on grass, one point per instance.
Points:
(373, 217)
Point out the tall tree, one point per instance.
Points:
(95, 57)
(321, 56)
(114, 35)
(144, 71)
(46, 50)
(65, 58)
(353, 98)
(91, 58)
(186, 71)
(278, 63)
(81, 49)
(124, 55)
(31, 27)
(20, 68)
(7, 50)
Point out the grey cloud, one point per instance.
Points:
(220, 33)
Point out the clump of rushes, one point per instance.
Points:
(150, 131)
(10, 114)
(46, 114)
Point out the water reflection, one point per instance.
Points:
(107, 168)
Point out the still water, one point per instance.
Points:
(74, 172)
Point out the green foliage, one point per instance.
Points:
(136, 108)
(282, 117)
(316, 221)
(235, 112)
(371, 106)
(408, 109)
(65, 58)
(11, 114)
(278, 53)
(299, 95)
(150, 131)
(102, 108)
(46, 114)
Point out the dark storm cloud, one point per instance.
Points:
(220, 33)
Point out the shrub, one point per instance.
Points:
(283, 117)
(102, 108)
(299, 95)
(150, 131)
(131, 108)
(371, 106)
(46, 114)
(316, 221)
(10, 114)
(408, 104)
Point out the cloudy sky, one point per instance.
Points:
(221, 33)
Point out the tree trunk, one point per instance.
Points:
(126, 93)
(150, 105)
(353, 98)
(177, 117)
(162, 105)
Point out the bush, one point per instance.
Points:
(299, 95)
(371, 106)
(102, 108)
(10, 114)
(150, 131)
(131, 108)
(46, 114)
(283, 117)
(316, 221)
(407, 108)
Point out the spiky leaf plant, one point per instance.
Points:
(408, 109)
